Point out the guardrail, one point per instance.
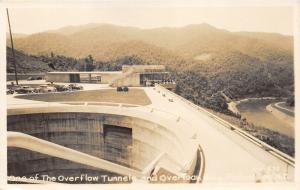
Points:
(284, 157)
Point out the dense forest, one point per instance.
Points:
(209, 84)
(232, 77)
(43, 63)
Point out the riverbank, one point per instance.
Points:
(232, 106)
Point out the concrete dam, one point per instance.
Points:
(170, 140)
(132, 141)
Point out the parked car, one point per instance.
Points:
(10, 91)
(119, 89)
(45, 89)
(61, 88)
(35, 78)
(125, 88)
(31, 78)
(171, 100)
(25, 90)
(75, 87)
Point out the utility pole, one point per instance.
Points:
(12, 47)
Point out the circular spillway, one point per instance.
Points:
(131, 139)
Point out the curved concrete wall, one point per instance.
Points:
(129, 141)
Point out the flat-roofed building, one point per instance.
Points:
(83, 77)
(131, 75)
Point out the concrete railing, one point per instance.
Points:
(80, 103)
(284, 157)
(28, 181)
(145, 109)
(173, 123)
(21, 140)
(202, 165)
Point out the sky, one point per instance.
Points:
(276, 19)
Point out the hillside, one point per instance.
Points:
(205, 61)
(190, 41)
(237, 76)
(25, 63)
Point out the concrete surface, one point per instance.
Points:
(152, 133)
(228, 156)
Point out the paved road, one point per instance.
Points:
(229, 157)
(281, 106)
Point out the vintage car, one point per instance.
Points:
(31, 78)
(122, 89)
(75, 87)
(25, 90)
(125, 88)
(10, 91)
(61, 88)
(35, 78)
(119, 89)
(45, 89)
(171, 100)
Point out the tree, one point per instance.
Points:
(87, 64)
(291, 100)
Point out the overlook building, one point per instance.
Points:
(131, 75)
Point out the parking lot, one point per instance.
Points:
(89, 92)
(41, 83)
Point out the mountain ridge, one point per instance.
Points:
(188, 41)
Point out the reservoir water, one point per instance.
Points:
(255, 112)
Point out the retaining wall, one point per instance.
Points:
(128, 141)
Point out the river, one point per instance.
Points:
(255, 112)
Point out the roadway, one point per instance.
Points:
(281, 106)
(228, 156)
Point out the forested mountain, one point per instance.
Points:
(104, 41)
(43, 63)
(206, 62)
(237, 76)
(25, 63)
